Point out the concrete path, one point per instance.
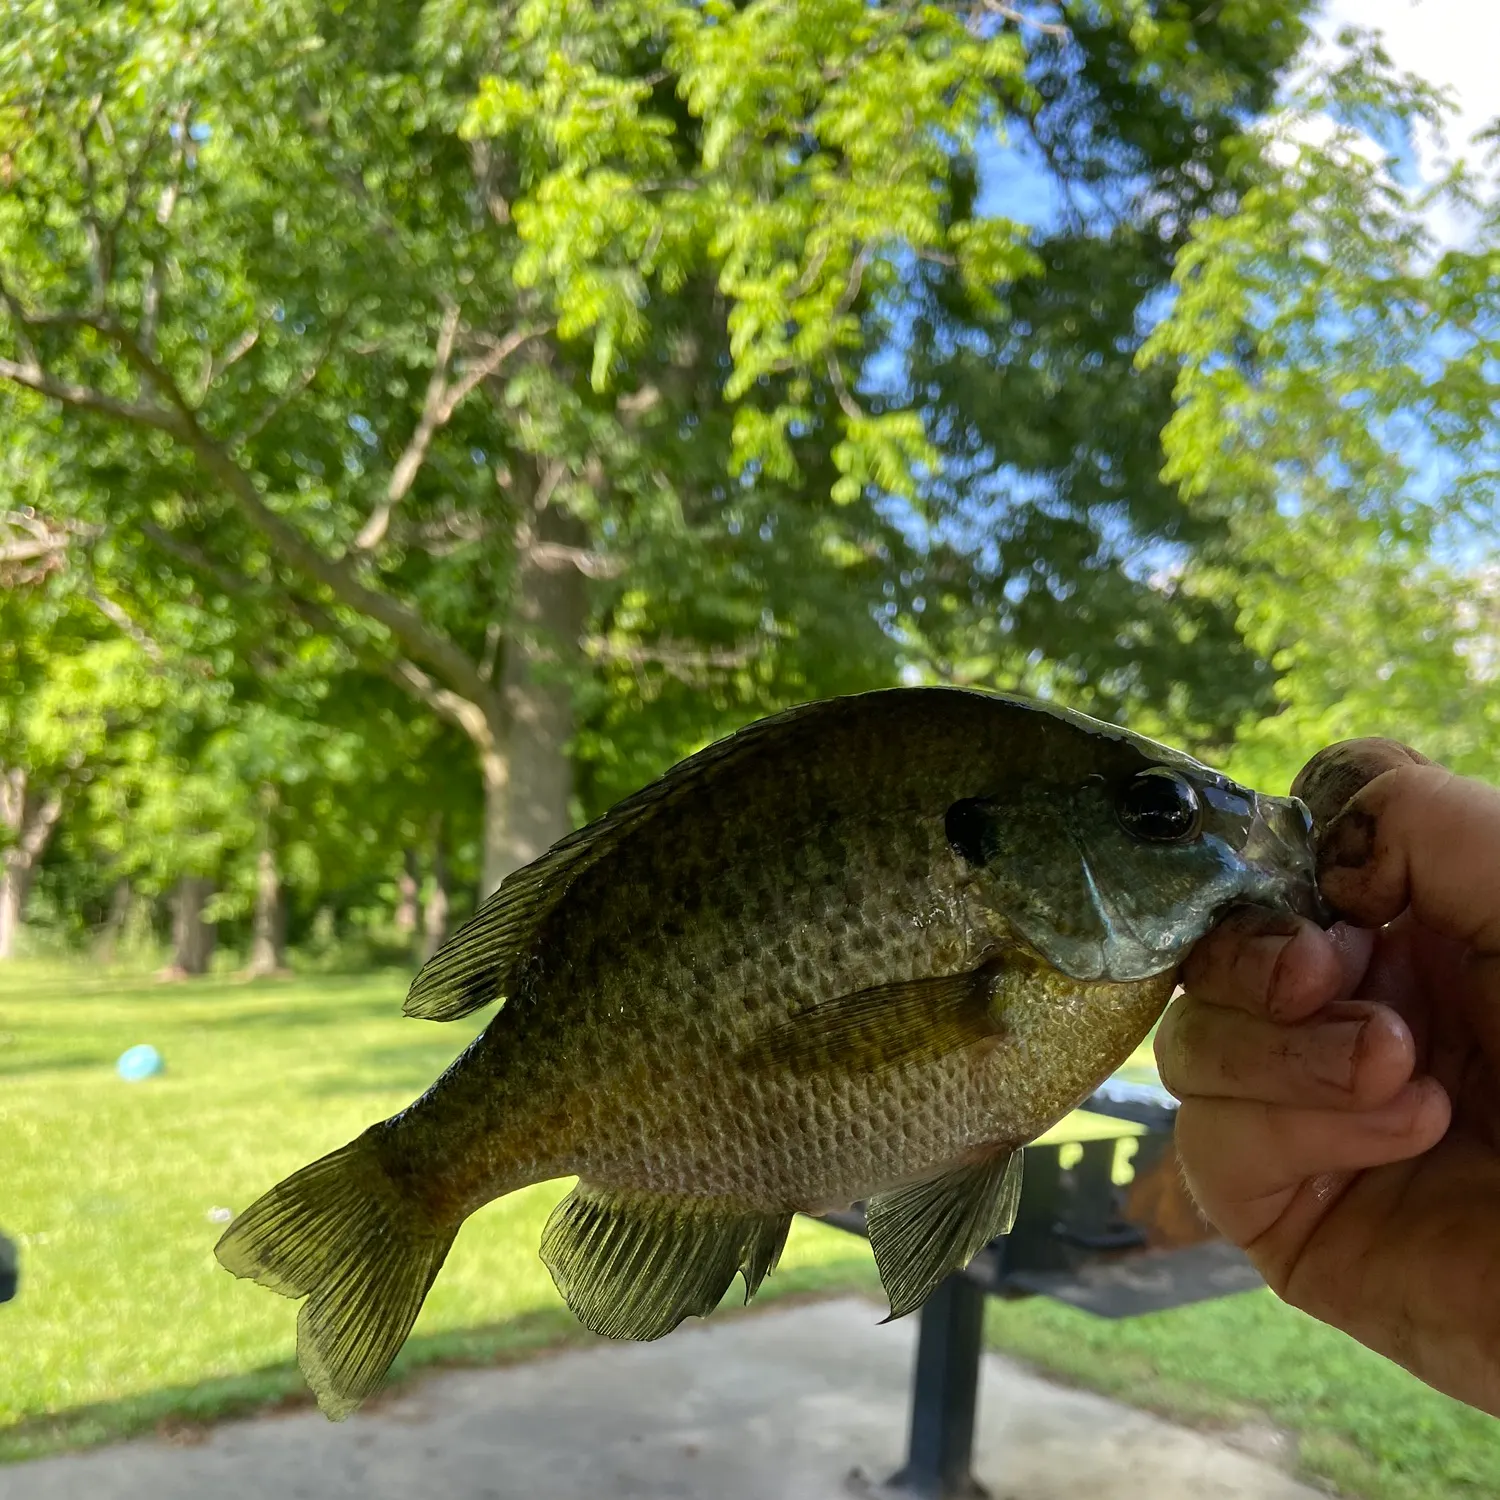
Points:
(792, 1404)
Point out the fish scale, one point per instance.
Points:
(863, 950)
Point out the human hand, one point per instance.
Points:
(1340, 1091)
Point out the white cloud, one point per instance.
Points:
(1454, 44)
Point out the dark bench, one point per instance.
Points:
(1079, 1238)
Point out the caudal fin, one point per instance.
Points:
(342, 1234)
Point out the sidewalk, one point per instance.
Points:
(785, 1405)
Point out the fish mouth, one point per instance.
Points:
(1280, 849)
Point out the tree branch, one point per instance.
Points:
(405, 472)
(453, 708)
(459, 711)
(278, 404)
(22, 323)
(179, 419)
(1018, 18)
(135, 172)
(101, 246)
(846, 402)
(86, 398)
(33, 549)
(441, 402)
(40, 541)
(665, 653)
(554, 557)
(151, 371)
(118, 617)
(403, 622)
(150, 306)
(198, 560)
(447, 705)
(217, 365)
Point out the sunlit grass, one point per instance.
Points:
(109, 1187)
(125, 1321)
(1359, 1422)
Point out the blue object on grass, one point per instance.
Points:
(138, 1062)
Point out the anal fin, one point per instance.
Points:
(634, 1265)
(922, 1233)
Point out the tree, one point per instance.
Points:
(458, 332)
(1337, 413)
(73, 691)
(252, 339)
(823, 161)
(1049, 428)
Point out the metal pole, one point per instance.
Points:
(944, 1396)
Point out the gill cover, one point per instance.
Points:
(1075, 876)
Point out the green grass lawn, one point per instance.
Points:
(125, 1322)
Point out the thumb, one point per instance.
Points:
(1335, 774)
(1408, 833)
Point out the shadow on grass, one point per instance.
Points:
(322, 1012)
(180, 1412)
(327, 1004)
(72, 1063)
(413, 1068)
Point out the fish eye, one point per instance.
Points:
(1160, 807)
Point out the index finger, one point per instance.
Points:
(1274, 965)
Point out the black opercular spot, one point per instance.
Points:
(1160, 806)
(970, 826)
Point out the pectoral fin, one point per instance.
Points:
(885, 1026)
(921, 1234)
(634, 1265)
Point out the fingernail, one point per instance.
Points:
(1349, 842)
(1337, 772)
(1400, 1114)
(1334, 1052)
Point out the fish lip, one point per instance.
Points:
(1280, 849)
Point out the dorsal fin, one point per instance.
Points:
(477, 964)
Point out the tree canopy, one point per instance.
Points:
(443, 416)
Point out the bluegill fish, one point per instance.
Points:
(863, 950)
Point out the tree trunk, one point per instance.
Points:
(107, 949)
(27, 818)
(268, 926)
(10, 910)
(192, 937)
(494, 775)
(542, 651)
(435, 908)
(407, 886)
